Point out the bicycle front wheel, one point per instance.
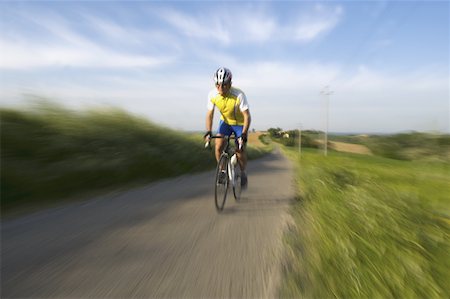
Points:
(222, 181)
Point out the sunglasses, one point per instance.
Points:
(223, 85)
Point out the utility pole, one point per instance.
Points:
(300, 141)
(326, 92)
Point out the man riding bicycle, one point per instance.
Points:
(233, 106)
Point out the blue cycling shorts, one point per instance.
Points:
(226, 129)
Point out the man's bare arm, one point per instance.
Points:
(209, 120)
(247, 121)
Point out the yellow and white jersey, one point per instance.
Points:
(230, 106)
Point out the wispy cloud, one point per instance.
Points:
(62, 45)
(318, 22)
(135, 35)
(254, 25)
(109, 29)
(19, 54)
(190, 26)
(103, 42)
(258, 28)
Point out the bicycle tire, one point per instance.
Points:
(237, 187)
(221, 187)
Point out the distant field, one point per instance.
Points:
(350, 148)
(253, 139)
(368, 227)
(346, 147)
(405, 146)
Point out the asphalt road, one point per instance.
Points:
(165, 240)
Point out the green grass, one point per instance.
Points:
(265, 139)
(50, 153)
(368, 227)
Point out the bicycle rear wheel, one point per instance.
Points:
(237, 188)
(221, 186)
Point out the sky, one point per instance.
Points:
(386, 63)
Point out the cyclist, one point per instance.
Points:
(233, 106)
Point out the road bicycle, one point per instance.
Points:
(227, 174)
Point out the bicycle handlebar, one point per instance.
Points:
(230, 136)
(208, 144)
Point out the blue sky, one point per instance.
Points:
(387, 62)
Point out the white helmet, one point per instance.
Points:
(222, 76)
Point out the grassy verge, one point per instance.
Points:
(255, 152)
(51, 153)
(368, 227)
(265, 139)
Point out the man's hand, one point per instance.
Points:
(242, 141)
(244, 137)
(207, 135)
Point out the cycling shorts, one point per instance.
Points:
(226, 129)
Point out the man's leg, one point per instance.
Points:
(218, 152)
(219, 146)
(242, 158)
(242, 154)
(223, 130)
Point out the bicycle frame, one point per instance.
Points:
(225, 163)
(229, 153)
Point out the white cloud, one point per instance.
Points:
(273, 77)
(109, 28)
(309, 31)
(257, 28)
(374, 81)
(250, 24)
(279, 95)
(365, 100)
(130, 34)
(63, 46)
(209, 27)
(322, 20)
(23, 55)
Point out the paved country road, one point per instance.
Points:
(165, 240)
